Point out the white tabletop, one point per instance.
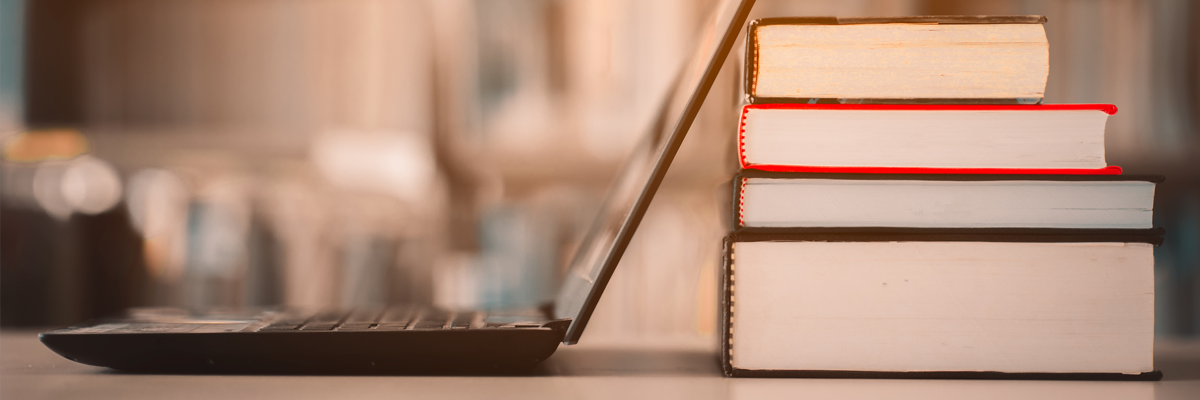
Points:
(29, 371)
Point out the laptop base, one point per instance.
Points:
(490, 351)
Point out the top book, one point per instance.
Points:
(922, 60)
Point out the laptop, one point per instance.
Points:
(411, 338)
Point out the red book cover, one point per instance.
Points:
(1106, 108)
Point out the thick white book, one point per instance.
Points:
(940, 306)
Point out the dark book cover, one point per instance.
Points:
(751, 56)
(728, 290)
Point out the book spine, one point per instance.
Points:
(751, 63)
(726, 308)
(741, 137)
(739, 197)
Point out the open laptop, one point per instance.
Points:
(416, 339)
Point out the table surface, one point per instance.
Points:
(30, 371)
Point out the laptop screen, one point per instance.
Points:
(597, 256)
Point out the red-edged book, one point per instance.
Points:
(1065, 139)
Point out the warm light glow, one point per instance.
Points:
(48, 144)
(47, 189)
(91, 185)
(158, 202)
(85, 185)
(394, 163)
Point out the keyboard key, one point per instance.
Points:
(433, 318)
(434, 314)
(293, 319)
(430, 324)
(368, 315)
(397, 315)
(287, 321)
(355, 326)
(428, 318)
(463, 320)
(279, 327)
(324, 321)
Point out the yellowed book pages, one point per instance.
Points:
(900, 61)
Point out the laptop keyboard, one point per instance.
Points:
(391, 319)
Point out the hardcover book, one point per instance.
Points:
(952, 139)
(933, 59)
(974, 306)
(780, 200)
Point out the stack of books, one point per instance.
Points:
(907, 207)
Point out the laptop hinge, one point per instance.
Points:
(558, 324)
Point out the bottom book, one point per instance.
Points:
(976, 306)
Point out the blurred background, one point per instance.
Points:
(322, 153)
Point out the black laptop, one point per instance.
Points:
(419, 339)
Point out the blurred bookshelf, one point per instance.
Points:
(281, 123)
